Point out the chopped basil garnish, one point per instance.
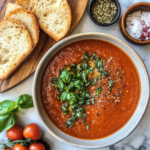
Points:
(111, 83)
(93, 100)
(98, 90)
(87, 127)
(86, 55)
(58, 97)
(105, 74)
(73, 67)
(95, 81)
(72, 86)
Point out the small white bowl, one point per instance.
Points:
(120, 134)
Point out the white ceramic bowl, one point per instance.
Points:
(120, 134)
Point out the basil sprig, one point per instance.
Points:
(8, 108)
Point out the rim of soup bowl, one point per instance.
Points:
(36, 81)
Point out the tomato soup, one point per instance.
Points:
(113, 108)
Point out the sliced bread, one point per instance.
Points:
(54, 16)
(24, 3)
(10, 7)
(15, 45)
(28, 19)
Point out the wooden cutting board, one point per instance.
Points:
(45, 43)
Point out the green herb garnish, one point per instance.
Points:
(65, 76)
(105, 74)
(95, 81)
(73, 67)
(98, 90)
(72, 87)
(58, 97)
(87, 127)
(111, 83)
(86, 55)
(93, 100)
(8, 108)
(64, 108)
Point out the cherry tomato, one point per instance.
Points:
(36, 146)
(15, 133)
(32, 131)
(8, 148)
(19, 147)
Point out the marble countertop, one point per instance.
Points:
(138, 140)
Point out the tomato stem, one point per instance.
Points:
(17, 141)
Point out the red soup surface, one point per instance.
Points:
(112, 110)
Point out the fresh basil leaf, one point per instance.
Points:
(89, 70)
(94, 55)
(111, 82)
(73, 67)
(81, 101)
(95, 81)
(85, 65)
(58, 97)
(9, 109)
(87, 102)
(19, 109)
(85, 94)
(98, 90)
(86, 55)
(60, 84)
(84, 117)
(80, 67)
(78, 74)
(88, 83)
(84, 76)
(69, 123)
(79, 114)
(71, 85)
(64, 108)
(93, 100)
(65, 76)
(25, 101)
(54, 81)
(105, 74)
(73, 118)
(78, 84)
(72, 97)
(64, 96)
(6, 103)
(73, 107)
(7, 121)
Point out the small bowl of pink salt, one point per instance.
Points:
(135, 24)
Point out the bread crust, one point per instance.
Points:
(24, 56)
(55, 37)
(24, 3)
(7, 8)
(35, 24)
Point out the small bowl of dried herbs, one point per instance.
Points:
(104, 12)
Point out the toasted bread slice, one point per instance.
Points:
(15, 45)
(28, 19)
(24, 3)
(10, 7)
(54, 16)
